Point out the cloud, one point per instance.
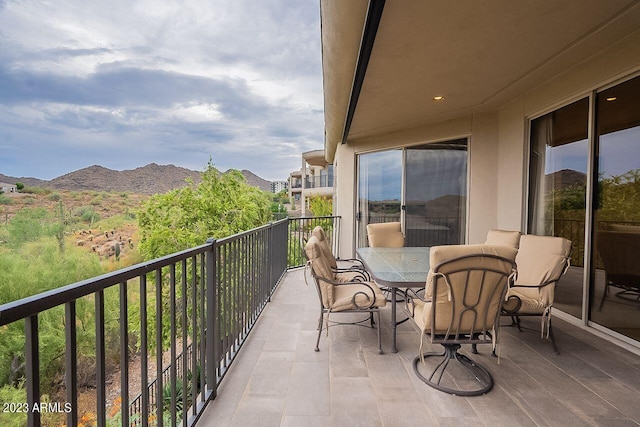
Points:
(140, 82)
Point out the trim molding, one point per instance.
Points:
(374, 15)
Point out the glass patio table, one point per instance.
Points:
(395, 268)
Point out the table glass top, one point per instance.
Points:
(398, 267)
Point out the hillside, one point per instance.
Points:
(149, 179)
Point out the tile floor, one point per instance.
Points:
(279, 380)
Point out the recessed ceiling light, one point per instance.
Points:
(438, 98)
(611, 98)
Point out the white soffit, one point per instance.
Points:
(477, 54)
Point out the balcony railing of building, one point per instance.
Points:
(204, 301)
(319, 181)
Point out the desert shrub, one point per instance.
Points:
(9, 395)
(86, 214)
(54, 197)
(5, 200)
(35, 190)
(37, 267)
(29, 225)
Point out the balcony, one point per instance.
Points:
(255, 328)
(319, 181)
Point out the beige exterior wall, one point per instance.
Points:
(483, 156)
(497, 145)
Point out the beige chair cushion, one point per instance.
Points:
(343, 276)
(489, 301)
(321, 269)
(385, 235)
(539, 260)
(338, 297)
(503, 237)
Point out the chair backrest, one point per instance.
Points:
(385, 235)
(503, 237)
(319, 233)
(541, 260)
(619, 253)
(320, 269)
(467, 285)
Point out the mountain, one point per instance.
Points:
(565, 178)
(256, 181)
(149, 179)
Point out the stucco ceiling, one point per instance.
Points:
(477, 54)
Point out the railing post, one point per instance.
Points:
(270, 261)
(212, 335)
(101, 376)
(32, 356)
(71, 362)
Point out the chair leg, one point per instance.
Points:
(516, 322)
(319, 330)
(379, 334)
(552, 339)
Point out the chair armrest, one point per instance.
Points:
(410, 295)
(355, 261)
(359, 274)
(370, 297)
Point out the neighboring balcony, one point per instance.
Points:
(318, 186)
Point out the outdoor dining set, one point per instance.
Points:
(454, 295)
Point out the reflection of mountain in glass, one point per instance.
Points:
(564, 179)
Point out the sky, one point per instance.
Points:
(125, 83)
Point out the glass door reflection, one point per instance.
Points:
(436, 194)
(379, 191)
(615, 284)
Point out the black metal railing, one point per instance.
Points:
(300, 231)
(196, 309)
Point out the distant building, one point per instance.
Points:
(315, 178)
(278, 186)
(7, 188)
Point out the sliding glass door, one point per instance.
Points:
(379, 190)
(424, 187)
(562, 180)
(615, 284)
(435, 194)
(558, 162)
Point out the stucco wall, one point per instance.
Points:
(483, 177)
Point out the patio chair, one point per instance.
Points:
(385, 234)
(503, 237)
(349, 269)
(618, 247)
(541, 261)
(339, 296)
(461, 305)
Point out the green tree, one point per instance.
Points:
(321, 206)
(19, 186)
(221, 205)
